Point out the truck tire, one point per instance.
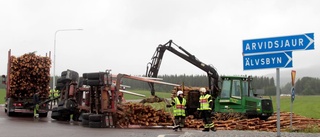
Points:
(64, 73)
(60, 86)
(95, 118)
(92, 82)
(43, 114)
(70, 74)
(92, 76)
(54, 109)
(5, 109)
(76, 117)
(55, 115)
(9, 103)
(85, 116)
(63, 80)
(95, 124)
(80, 83)
(85, 123)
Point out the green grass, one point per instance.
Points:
(146, 93)
(307, 106)
(2, 95)
(157, 106)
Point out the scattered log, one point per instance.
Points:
(143, 115)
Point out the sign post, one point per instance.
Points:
(275, 52)
(293, 76)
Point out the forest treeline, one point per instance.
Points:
(303, 86)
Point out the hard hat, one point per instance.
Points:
(203, 90)
(179, 92)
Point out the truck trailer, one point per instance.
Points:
(26, 75)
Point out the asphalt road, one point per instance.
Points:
(26, 126)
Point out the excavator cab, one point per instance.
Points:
(237, 97)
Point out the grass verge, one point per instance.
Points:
(2, 95)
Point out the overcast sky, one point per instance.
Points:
(122, 35)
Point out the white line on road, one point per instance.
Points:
(172, 135)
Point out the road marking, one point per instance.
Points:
(171, 135)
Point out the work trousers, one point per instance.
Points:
(179, 120)
(207, 120)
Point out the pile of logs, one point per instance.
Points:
(29, 73)
(140, 114)
(298, 123)
(154, 99)
(185, 90)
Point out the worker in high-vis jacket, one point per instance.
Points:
(179, 106)
(53, 94)
(36, 101)
(206, 103)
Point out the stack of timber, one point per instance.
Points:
(185, 90)
(29, 73)
(234, 123)
(138, 114)
(142, 115)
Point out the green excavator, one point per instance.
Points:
(231, 94)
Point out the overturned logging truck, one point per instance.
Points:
(93, 99)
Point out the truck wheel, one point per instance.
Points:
(92, 82)
(85, 116)
(72, 75)
(63, 80)
(54, 109)
(60, 86)
(85, 123)
(95, 118)
(64, 73)
(43, 114)
(10, 113)
(80, 83)
(55, 115)
(92, 76)
(76, 116)
(8, 108)
(95, 124)
(61, 109)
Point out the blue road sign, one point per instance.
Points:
(272, 60)
(284, 43)
(292, 94)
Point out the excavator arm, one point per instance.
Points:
(154, 66)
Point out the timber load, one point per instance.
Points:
(29, 73)
(299, 123)
(185, 90)
(138, 115)
(129, 114)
